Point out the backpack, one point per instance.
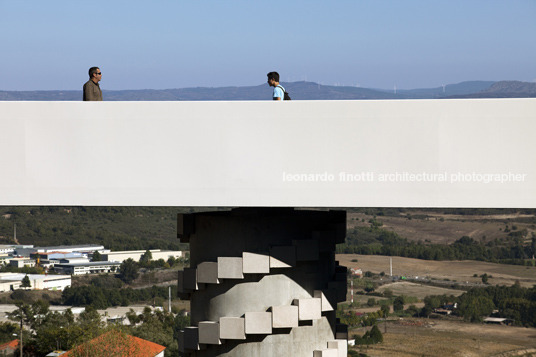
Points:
(285, 94)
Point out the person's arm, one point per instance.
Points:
(278, 93)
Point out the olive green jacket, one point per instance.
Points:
(92, 91)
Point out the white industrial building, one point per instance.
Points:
(87, 268)
(83, 248)
(22, 262)
(6, 249)
(157, 254)
(13, 281)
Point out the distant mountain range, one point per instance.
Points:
(297, 91)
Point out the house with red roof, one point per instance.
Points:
(9, 348)
(117, 344)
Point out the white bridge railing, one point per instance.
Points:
(410, 153)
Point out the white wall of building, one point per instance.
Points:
(121, 256)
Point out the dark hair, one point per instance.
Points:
(274, 76)
(92, 71)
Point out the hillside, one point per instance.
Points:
(505, 89)
(120, 228)
(117, 228)
(297, 90)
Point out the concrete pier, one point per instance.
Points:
(266, 277)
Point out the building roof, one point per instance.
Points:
(9, 345)
(116, 343)
(63, 247)
(495, 319)
(20, 276)
(89, 264)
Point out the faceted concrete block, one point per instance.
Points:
(341, 346)
(180, 281)
(328, 352)
(209, 332)
(180, 341)
(341, 273)
(341, 332)
(282, 257)
(306, 249)
(207, 272)
(230, 268)
(340, 288)
(284, 316)
(232, 328)
(254, 263)
(326, 240)
(309, 309)
(190, 279)
(340, 232)
(259, 323)
(191, 338)
(328, 299)
(185, 227)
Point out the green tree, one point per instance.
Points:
(473, 308)
(97, 257)
(385, 310)
(373, 336)
(128, 271)
(26, 283)
(398, 304)
(485, 278)
(7, 329)
(145, 259)
(376, 335)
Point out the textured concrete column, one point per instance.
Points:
(268, 276)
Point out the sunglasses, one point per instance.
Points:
(98, 74)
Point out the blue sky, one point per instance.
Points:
(174, 44)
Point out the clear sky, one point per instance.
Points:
(174, 44)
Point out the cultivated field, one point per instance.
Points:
(459, 271)
(444, 228)
(420, 291)
(429, 337)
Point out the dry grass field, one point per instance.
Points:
(443, 228)
(419, 291)
(460, 271)
(428, 337)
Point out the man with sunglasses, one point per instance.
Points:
(92, 91)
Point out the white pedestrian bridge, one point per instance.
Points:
(405, 153)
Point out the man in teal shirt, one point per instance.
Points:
(273, 81)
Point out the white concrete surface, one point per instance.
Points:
(341, 346)
(309, 309)
(207, 272)
(254, 263)
(230, 268)
(258, 323)
(76, 153)
(284, 316)
(209, 332)
(232, 328)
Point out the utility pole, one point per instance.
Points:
(352, 290)
(20, 337)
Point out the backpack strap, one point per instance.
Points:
(279, 86)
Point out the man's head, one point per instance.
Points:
(95, 74)
(273, 78)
